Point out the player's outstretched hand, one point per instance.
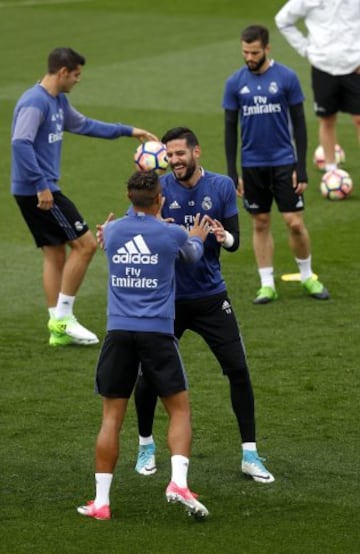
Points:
(201, 227)
(218, 230)
(100, 230)
(144, 135)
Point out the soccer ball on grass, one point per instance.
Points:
(151, 155)
(319, 156)
(336, 184)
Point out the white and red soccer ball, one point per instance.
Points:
(151, 155)
(319, 156)
(336, 184)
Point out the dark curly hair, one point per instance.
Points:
(143, 187)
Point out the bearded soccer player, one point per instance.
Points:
(267, 100)
(202, 303)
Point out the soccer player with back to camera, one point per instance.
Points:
(141, 251)
(202, 303)
(332, 46)
(269, 99)
(41, 116)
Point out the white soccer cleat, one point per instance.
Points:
(252, 465)
(72, 328)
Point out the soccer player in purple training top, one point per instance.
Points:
(41, 116)
(202, 303)
(141, 251)
(267, 100)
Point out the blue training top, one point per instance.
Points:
(263, 101)
(141, 252)
(215, 195)
(39, 122)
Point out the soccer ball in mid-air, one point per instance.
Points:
(151, 155)
(336, 184)
(319, 156)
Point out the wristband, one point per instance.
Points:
(228, 241)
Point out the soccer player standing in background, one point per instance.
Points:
(332, 46)
(141, 251)
(41, 116)
(202, 303)
(269, 99)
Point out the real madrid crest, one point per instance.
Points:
(273, 87)
(206, 204)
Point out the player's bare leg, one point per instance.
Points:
(263, 245)
(299, 242)
(179, 442)
(106, 456)
(356, 121)
(327, 139)
(53, 266)
(81, 254)
(63, 326)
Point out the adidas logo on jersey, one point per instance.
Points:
(135, 251)
(244, 90)
(174, 205)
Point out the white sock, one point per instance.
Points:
(304, 268)
(64, 306)
(267, 277)
(103, 483)
(179, 470)
(249, 446)
(51, 312)
(330, 167)
(144, 441)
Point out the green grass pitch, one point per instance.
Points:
(157, 65)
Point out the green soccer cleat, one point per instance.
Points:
(60, 340)
(70, 327)
(316, 289)
(265, 295)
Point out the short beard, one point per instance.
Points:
(190, 170)
(258, 65)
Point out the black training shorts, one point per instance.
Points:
(335, 93)
(262, 185)
(62, 224)
(213, 319)
(121, 355)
